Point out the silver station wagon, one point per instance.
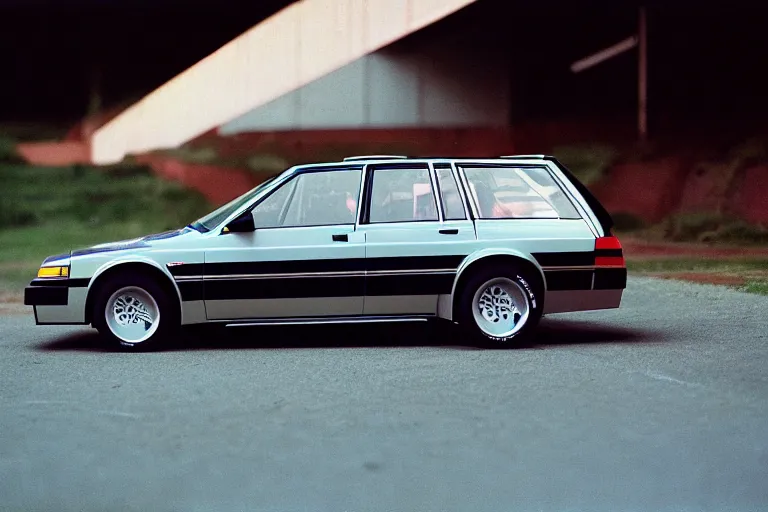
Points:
(488, 244)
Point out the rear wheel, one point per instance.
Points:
(501, 306)
(134, 312)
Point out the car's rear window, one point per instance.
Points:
(518, 193)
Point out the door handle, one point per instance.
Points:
(453, 231)
(341, 238)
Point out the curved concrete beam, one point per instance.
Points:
(294, 47)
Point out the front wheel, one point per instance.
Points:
(134, 313)
(501, 307)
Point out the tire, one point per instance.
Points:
(124, 323)
(500, 306)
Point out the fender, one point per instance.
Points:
(134, 258)
(445, 302)
(494, 251)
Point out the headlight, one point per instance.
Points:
(53, 272)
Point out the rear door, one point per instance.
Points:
(414, 242)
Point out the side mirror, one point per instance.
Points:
(242, 224)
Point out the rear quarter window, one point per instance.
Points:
(518, 193)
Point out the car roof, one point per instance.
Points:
(356, 161)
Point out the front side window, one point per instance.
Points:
(402, 195)
(518, 193)
(216, 217)
(324, 198)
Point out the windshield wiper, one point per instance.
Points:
(198, 227)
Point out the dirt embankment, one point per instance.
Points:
(650, 191)
(640, 249)
(653, 190)
(218, 184)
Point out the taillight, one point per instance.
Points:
(608, 252)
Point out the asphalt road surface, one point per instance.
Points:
(659, 406)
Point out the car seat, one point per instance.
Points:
(485, 198)
(328, 209)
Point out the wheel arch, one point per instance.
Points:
(137, 265)
(486, 257)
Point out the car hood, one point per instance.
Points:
(143, 242)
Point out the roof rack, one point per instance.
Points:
(524, 156)
(375, 157)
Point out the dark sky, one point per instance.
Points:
(49, 49)
(706, 59)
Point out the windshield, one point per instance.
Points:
(218, 216)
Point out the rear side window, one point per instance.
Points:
(453, 208)
(518, 193)
(402, 195)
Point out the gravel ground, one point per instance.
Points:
(660, 405)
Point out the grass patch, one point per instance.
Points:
(688, 227)
(267, 164)
(708, 227)
(338, 152)
(269, 159)
(697, 265)
(759, 287)
(23, 249)
(13, 279)
(745, 274)
(192, 155)
(737, 232)
(8, 153)
(50, 210)
(751, 151)
(33, 196)
(627, 223)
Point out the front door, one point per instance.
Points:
(413, 245)
(305, 258)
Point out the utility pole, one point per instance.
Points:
(639, 40)
(642, 77)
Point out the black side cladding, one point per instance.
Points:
(605, 219)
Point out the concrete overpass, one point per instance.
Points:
(318, 64)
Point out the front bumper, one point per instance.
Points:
(46, 296)
(57, 301)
